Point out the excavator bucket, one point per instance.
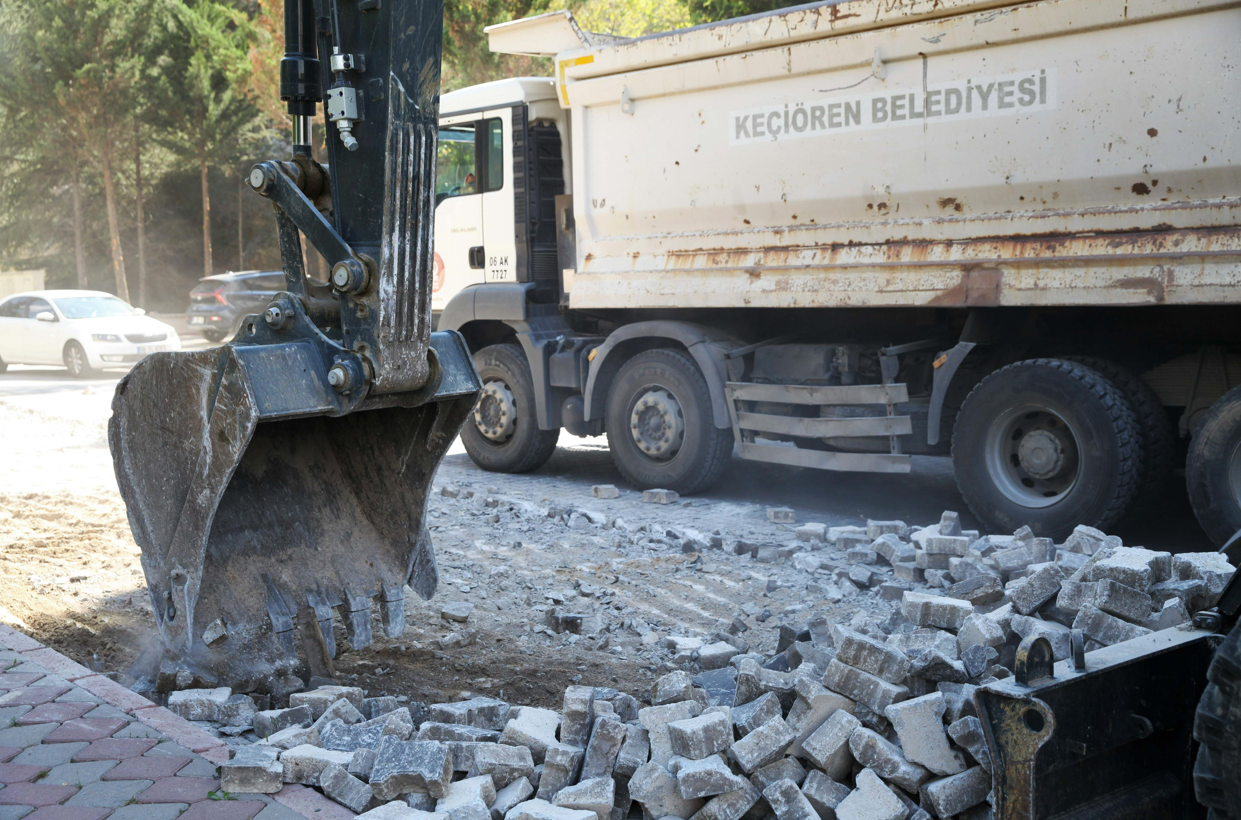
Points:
(279, 482)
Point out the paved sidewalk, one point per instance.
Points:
(75, 745)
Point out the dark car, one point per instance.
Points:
(218, 303)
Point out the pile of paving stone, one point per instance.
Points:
(874, 720)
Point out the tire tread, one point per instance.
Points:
(1123, 422)
(1217, 725)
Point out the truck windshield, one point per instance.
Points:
(455, 170)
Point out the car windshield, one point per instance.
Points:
(93, 307)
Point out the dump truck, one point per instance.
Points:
(845, 234)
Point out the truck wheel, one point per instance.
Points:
(660, 429)
(502, 435)
(1047, 443)
(1213, 469)
(1156, 433)
(1217, 728)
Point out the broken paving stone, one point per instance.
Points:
(814, 533)
(1173, 613)
(781, 515)
(788, 802)
(786, 768)
(938, 667)
(1212, 568)
(705, 778)
(923, 640)
(1012, 560)
(293, 736)
(398, 810)
(344, 788)
(269, 722)
(656, 789)
(455, 732)
(605, 491)
(946, 545)
(402, 767)
(935, 610)
(968, 734)
(362, 763)
(1106, 629)
(870, 655)
(875, 529)
(872, 750)
(254, 769)
(828, 746)
(824, 794)
(731, 805)
(919, 724)
(560, 768)
(468, 799)
(596, 795)
(302, 764)
(764, 745)
(871, 800)
(1134, 567)
(1075, 593)
(341, 710)
(660, 496)
(671, 688)
(863, 687)
(978, 659)
(480, 713)
(199, 704)
(978, 590)
(716, 655)
(458, 611)
(1031, 592)
(655, 720)
(979, 630)
(505, 764)
(538, 809)
(606, 741)
(749, 716)
(318, 700)
(950, 796)
(506, 798)
(700, 737)
(634, 752)
(1122, 601)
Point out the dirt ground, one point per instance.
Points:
(514, 546)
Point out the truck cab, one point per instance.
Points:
(500, 166)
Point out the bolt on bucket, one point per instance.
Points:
(281, 480)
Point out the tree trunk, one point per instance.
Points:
(114, 226)
(241, 209)
(142, 228)
(208, 265)
(78, 247)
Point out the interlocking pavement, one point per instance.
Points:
(76, 745)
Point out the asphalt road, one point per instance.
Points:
(832, 498)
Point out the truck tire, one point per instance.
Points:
(1158, 437)
(1213, 469)
(1048, 443)
(660, 429)
(1217, 728)
(501, 435)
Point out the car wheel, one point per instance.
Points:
(660, 428)
(1048, 443)
(76, 361)
(213, 336)
(502, 434)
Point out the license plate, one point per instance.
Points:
(145, 349)
(198, 320)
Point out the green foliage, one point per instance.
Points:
(467, 59)
(710, 11)
(632, 18)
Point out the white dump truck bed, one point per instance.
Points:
(945, 153)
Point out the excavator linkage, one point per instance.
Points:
(279, 482)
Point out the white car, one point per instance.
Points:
(84, 330)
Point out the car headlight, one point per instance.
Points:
(105, 337)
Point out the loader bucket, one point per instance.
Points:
(263, 506)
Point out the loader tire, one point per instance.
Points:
(502, 435)
(660, 428)
(1046, 443)
(1213, 469)
(1217, 728)
(1156, 432)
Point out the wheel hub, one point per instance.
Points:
(1041, 454)
(496, 412)
(657, 424)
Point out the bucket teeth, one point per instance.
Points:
(323, 614)
(315, 643)
(358, 620)
(392, 610)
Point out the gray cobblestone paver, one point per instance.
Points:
(110, 794)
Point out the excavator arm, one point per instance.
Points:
(279, 483)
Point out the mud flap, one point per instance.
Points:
(265, 503)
